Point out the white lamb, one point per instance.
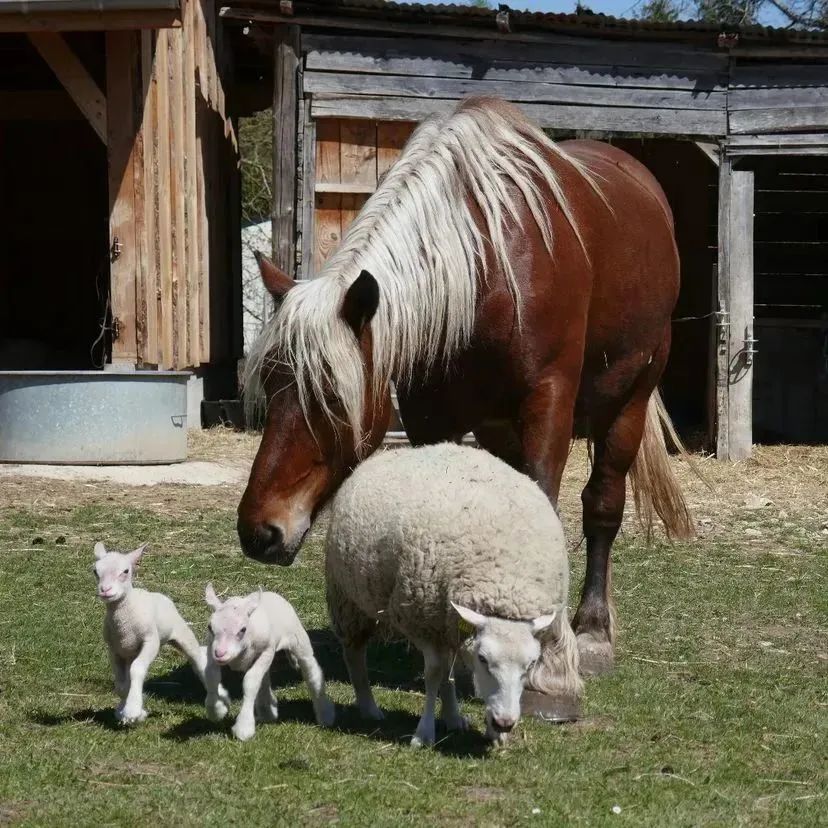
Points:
(462, 555)
(245, 633)
(137, 624)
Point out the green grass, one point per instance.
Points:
(716, 714)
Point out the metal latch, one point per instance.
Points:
(116, 328)
(749, 345)
(723, 325)
(116, 249)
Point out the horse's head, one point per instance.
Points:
(312, 436)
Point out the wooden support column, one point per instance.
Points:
(125, 156)
(734, 341)
(286, 99)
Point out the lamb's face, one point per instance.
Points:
(113, 572)
(503, 654)
(227, 635)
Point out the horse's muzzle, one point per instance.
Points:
(266, 543)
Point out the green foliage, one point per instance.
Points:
(803, 14)
(256, 151)
(660, 11)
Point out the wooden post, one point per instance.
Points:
(305, 219)
(735, 319)
(123, 91)
(286, 98)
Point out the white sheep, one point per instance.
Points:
(137, 624)
(462, 555)
(245, 633)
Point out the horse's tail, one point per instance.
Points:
(654, 486)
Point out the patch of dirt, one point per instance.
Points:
(327, 814)
(114, 772)
(482, 794)
(13, 811)
(590, 723)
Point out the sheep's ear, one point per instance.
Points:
(470, 616)
(276, 281)
(542, 623)
(100, 550)
(211, 598)
(136, 554)
(360, 302)
(253, 601)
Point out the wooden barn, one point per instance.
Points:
(119, 177)
(733, 123)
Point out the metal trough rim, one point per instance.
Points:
(101, 374)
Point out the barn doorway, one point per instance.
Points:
(54, 263)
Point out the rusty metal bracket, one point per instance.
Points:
(504, 23)
(749, 345)
(116, 328)
(116, 249)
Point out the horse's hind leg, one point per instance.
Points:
(617, 425)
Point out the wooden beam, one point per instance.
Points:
(123, 92)
(809, 144)
(306, 270)
(109, 21)
(735, 276)
(286, 98)
(711, 150)
(73, 76)
(354, 188)
(782, 119)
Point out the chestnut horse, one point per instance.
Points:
(503, 282)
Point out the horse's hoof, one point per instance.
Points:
(556, 709)
(596, 657)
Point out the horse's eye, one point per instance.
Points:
(483, 660)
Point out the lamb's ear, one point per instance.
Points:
(100, 550)
(542, 623)
(136, 554)
(470, 616)
(211, 598)
(277, 282)
(253, 601)
(361, 302)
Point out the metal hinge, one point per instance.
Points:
(116, 249)
(750, 345)
(116, 328)
(723, 326)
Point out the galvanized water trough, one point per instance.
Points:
(93, 417)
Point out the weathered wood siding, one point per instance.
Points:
(173, 165)
(569, 83)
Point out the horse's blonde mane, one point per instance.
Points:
(419, 238)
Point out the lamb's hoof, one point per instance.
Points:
(458, 723)
(424, 737)
(556, 709)
(216, 709)
(326, 715)
(244, 731)
(596, 657)
(129, 716)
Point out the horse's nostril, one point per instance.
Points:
(262, 541)
(271, 534)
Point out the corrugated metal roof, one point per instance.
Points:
(525, 20)
(44, 6)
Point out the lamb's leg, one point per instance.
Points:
(133, 711)
(120, 676)
(323, 707)
(436, 669)
(184, 640)
(217, 702)
(267, 709)
(357, 664)
(245, 725)
(452, 716)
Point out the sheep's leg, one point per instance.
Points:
(133, 711)
(312, 673)
(451, 714)
(120, 676)
(267, 709)
(357, 664)
(217, 702)
(436, 670)
(245, 725)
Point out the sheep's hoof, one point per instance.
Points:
(216, 709)
(556, 709)
(130, 716)
(424, 737)
(244, 731)
(326, 715)
(596, 657)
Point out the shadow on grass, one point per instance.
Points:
(103, 718)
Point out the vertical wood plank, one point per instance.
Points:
(740, 261)
(176, 139)
(327, 206)
(391, 138)
(309, 179)
(286, 51)
(165, 213)
(151, 354)
(122, 129)
(202, 152)
(191, 235)
(358, 153)
(723, 296)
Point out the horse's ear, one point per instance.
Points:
(277, 282)
(360, 302)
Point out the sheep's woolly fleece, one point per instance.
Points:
(422, 527)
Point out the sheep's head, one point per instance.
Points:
(503, 654)
(227, 635)
(113, 571)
